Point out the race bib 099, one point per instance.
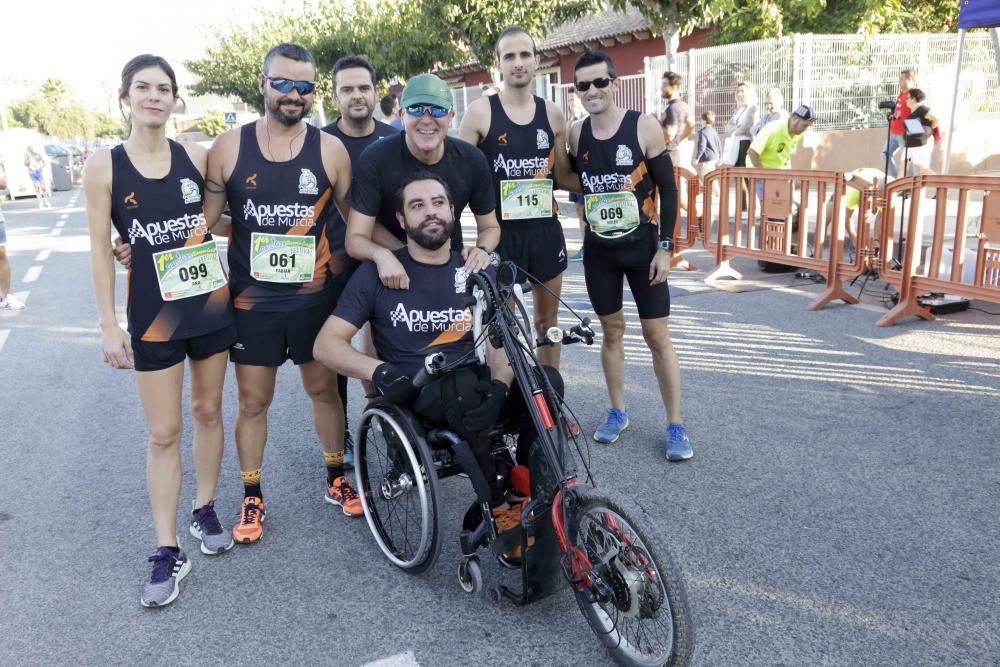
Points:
(187, 272)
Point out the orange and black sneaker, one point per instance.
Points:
(342, 493)
(508, 518)
(249, 528)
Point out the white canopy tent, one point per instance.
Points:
(973, 14)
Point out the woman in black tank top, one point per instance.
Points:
(150, 190)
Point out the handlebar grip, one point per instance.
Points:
(432, 364)
(421, 378)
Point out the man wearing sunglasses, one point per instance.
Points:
(283, 181)
(523, 137)
(630, 203)
(424, 145)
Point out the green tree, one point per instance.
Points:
(107, 126)
(213, 123)
(55, 91)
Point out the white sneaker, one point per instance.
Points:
(11, 303)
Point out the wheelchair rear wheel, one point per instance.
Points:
(399, 488)
(635, 602)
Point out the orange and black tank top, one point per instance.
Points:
(279, 250)
(521, 160)
(176, 284)
(618, 190)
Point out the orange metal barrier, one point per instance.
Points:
(931, 269)
(685, 235)
(785, 229)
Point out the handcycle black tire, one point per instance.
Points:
(619, 647)
(425, 558)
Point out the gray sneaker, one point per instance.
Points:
(168, 570)
(206, 527)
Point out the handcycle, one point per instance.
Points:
(598, 542)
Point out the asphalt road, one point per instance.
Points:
(841, 508)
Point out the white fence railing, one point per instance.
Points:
(843, 77)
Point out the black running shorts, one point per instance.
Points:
(157, 356)
(538, 248)
(269, 339)
(606, 266)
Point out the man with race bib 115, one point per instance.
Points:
(622, 162)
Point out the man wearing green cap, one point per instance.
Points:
(424, 145)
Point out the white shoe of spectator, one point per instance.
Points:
(11, 303)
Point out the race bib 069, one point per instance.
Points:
(188, 272)
(526, 199)
(612, 214)
(276, 258)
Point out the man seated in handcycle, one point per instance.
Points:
(431, 316)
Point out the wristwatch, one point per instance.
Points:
(666, 244)
(494, 257)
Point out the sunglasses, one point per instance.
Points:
(419, 109)
(603, 82)
(284, 86)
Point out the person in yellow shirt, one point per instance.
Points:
(776, 141)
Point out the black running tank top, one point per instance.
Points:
(176, 284)
(279, 252)
(521, 160)
(610, 166)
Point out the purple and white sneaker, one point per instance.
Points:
(206, 527)
(168, 570)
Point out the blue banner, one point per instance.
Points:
(979, 14)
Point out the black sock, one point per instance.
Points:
(174, 550)
(253, 490)
(334, 466)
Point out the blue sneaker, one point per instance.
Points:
(168, 570)
(612, 428)
(678, 445)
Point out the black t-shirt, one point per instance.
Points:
(344, 265)
(383, 166)
(407, 325)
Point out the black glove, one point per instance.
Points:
(394, 387)
(493, 395)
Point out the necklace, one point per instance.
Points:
(291, 143)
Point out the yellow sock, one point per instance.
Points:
(334, 458)
(251, 476)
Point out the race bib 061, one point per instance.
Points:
(276, 258)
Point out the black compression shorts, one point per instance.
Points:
(157, 356)
(536, 247)
(606, 266)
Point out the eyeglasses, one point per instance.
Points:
(419, 109)
(603, 82)
(284, 86)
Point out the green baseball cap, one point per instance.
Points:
(426, 89)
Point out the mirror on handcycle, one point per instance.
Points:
(568, 531)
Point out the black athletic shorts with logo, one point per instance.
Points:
(536, 247)
(157, 356)
(270, 338)
(605, 266)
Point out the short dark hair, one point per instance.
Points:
(422, 175)
(917, 94)
(387, 103)
(290, 51)
(588, 58)
(708, 117)
(514, 30)
(351, 62)
(673, 79)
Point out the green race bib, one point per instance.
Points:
(187, 272)
(526, 199)
(276, 258)
(612, 214)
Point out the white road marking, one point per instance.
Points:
(64, 216)
(399, 660)
(32, 274)
(3, 337)
(61, 223)
(56, 232)
(43, 255)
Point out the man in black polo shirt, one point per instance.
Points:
(424, 145)
(357, 129)
(431, 316)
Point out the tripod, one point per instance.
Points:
(902, 213)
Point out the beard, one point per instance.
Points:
(431, 240)
(358, 115)
(286, 119)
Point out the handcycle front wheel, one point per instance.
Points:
(398, 485)
(635, 603)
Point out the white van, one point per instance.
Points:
(13, 145)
